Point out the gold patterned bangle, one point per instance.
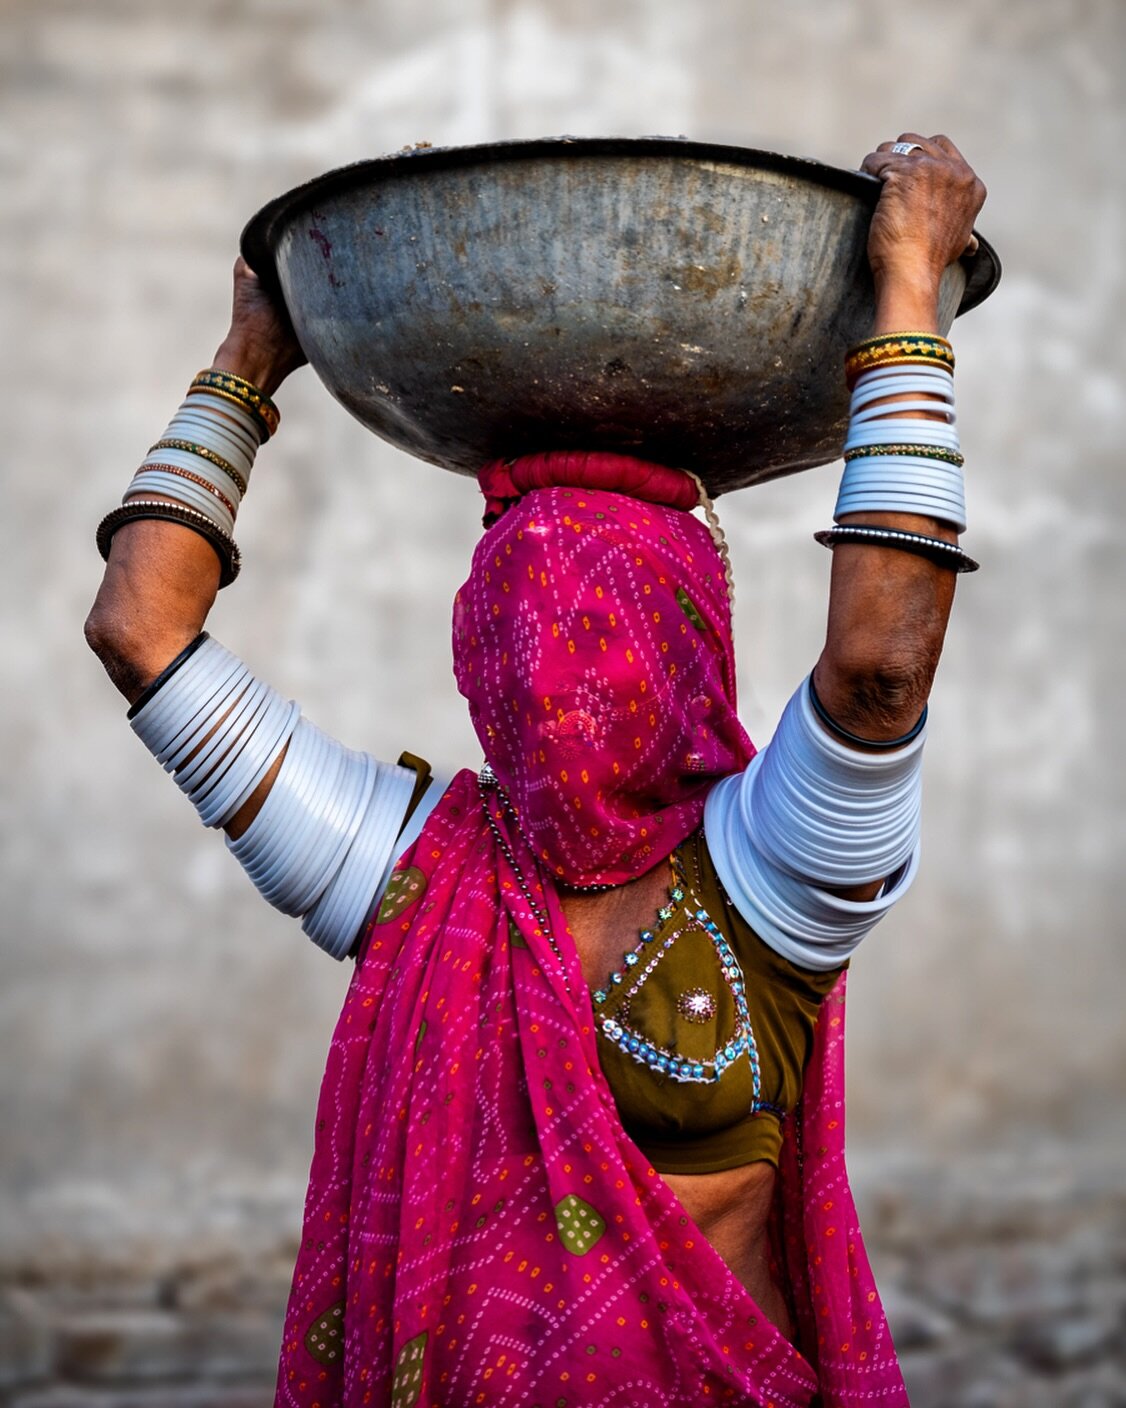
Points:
(895, 350)
(243, 393)
(882, 338)
(855, 370)
(259, 420)
(928, 452)
(191, 448)
(195, 479)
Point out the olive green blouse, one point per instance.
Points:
(705, 1030)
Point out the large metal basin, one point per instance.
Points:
(683, 302)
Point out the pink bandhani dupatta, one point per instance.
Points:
(479, 1228)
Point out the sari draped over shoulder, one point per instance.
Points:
(479, 1229)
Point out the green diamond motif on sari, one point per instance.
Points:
(404, 887)
(406, 1386)
(324, 1338)
(688, 606)
(580, 1226)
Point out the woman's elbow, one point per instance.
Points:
(107, 638)
(878, 693)
(129, 651)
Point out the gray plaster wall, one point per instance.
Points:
(163, 1032)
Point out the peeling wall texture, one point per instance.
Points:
(163, 1031)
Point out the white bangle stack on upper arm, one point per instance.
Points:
(808, 813)
(324, 840)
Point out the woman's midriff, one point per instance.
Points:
(731, 1208)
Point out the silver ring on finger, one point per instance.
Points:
(905, 148)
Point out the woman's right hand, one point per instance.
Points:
(922, 222)
(261, 345)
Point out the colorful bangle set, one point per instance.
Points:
(897, 349)
(902, 453)
(243, 394)
(200, 467)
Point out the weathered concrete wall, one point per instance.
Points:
(163, 1032)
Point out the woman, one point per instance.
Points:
(581, 1133)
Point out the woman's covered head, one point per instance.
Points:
(593, 643)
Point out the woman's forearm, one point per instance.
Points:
(888, 610)
(161, 577)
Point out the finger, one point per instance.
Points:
(889, 148)
(917, 139)
(882, 163)
(972, 247)
(944, 144)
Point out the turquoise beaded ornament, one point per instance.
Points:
(696, 1005)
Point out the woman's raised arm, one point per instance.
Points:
(829, 811)
(161, 577)
(888, 608)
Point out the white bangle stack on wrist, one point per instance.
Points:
(902, 453)
(197, 473)
(903, 463)
(323, 841)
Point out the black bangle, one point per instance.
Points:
(938, 550)
(880, 744)
(165, 675)
(226, 549)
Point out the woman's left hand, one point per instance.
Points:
(926, 211)
(261, 344)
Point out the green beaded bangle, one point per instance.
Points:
(928, 452)
(191, 448)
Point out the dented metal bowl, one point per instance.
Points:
(684, 302)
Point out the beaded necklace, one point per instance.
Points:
(486, 782)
